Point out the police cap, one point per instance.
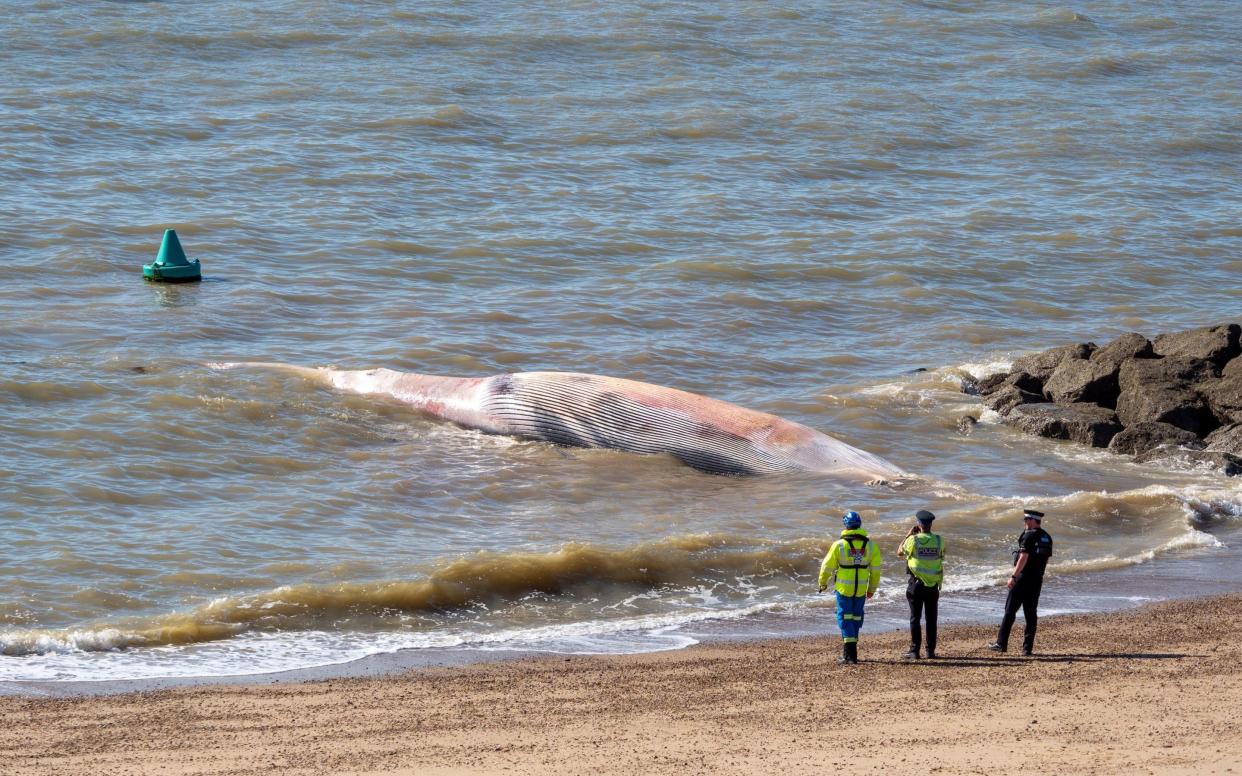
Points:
(1031, 514)
(924, 517)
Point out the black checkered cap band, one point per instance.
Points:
(1032, 514)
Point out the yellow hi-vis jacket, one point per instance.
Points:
(855, 560)
(925, 557)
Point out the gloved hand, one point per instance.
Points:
(822, 588)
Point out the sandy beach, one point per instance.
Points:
(1151, 690)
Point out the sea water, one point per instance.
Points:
(790, 206)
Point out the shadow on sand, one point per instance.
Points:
(984, 661)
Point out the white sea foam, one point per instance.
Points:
(265, 653)
(49, 642)
(1190, 539)
(980, 370)
(990, 417)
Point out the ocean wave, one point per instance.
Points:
(49, 392)
(480, 582)
(1191, 539)
(1205, 504)
(706, 573)
(265, 653)
(447, 116)
(982, 369)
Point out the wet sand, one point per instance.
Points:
(1151, 690)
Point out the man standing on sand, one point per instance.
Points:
(924, 554)
(855, 561)
(1030, 559)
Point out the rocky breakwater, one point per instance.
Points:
(1175, 396)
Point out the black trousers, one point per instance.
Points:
(922, 599)
(1025, 595)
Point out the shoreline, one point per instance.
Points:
(1152, 688)
(1205, 571)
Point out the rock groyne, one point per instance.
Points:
(1177, 396)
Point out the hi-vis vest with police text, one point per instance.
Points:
(855, 560)
(925, 557)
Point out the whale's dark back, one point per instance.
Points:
(580, 410)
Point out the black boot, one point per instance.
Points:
(913, 653)
(996, 646)
(845, 653)
(851, 650)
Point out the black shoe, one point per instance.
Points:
(931, 655)
(996, 646)
(913, 654)
(1027, 651)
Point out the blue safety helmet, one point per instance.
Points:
(852, 519)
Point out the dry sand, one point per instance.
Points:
(1154, 690)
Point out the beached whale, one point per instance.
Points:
(582, 410)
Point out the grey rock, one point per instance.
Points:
(966, 424)
(1123, 348)
(1141, 437)
(1020, 379)
(1228, 464)
(1087, 424)
(1162, 390)
(1185, 409)
(1137, 373)
(1233, 368)
(991, 384)
(1217, 344)
(1041, 365)
(1226, 439)
(1083, 380)
(1025, 381)
(1224, 398)
(1011, 396)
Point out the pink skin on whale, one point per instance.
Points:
(584, 410)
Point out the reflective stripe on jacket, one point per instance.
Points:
(855, 560)
(925, 557)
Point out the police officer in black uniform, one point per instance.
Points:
(1029, 559)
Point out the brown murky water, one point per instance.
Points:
(786, 206)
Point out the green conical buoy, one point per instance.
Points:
(171, 265)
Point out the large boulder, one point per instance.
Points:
(1023, 380)
(1228, 464)
(1137, 372)
(1233, 368)
(1162, 390)
(1122, 349)
(1011, 396)
(986, 386)
(1226, 439)
(1217, 344)
(1224, 398)
(1088, 424)
(1083, 380)
(1041, 365)
(1141, 437)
